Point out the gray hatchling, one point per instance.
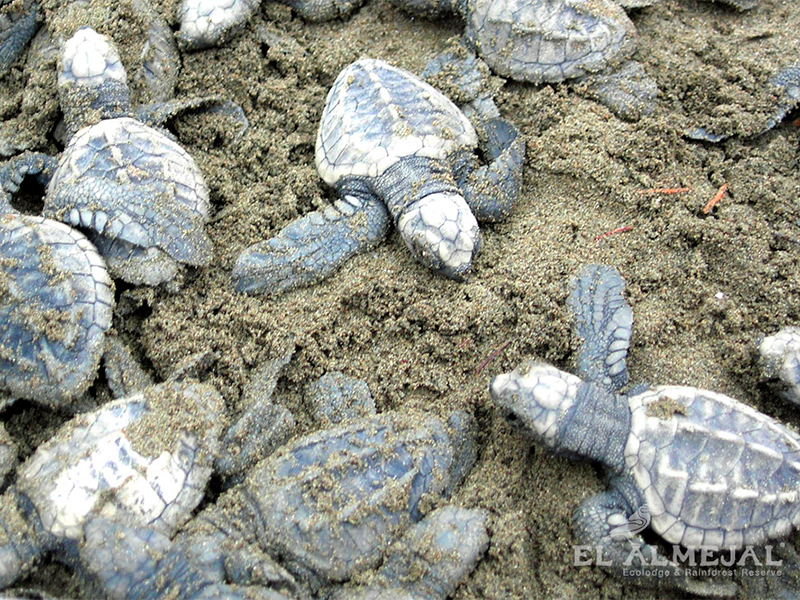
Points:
(553, 41)
(713, 472)
(396, 150)
(137, 194)
(152, 74)
(56, 303)
(779, 360)
(147, 456)
(206, 23)
(321, 509)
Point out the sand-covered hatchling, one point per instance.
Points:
(147, 456)
(554, 41)
(206, 23)
(136, 193)
(56, 303)
(396, 150)
(321, 509)
(713, 472)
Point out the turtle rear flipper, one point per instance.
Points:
(603, 323)
(311, 247)
(606, 522)
(628, 91)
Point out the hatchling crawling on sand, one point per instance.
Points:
(713, 472)
(553, 41)
(109, 490)
(137, 194)
(396, 150)
(148, 455)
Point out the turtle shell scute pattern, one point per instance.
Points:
(376, 114)
(126, 180)
(713, 471)
(96, 465)
(332, 500)
(550, 40)
(56, 303)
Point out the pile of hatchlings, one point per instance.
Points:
(165, 492)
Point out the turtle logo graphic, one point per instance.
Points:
(636, 523)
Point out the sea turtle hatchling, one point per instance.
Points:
(713, 472)
(138, 194)
(394, 148)
(152, 51)
(56, 303)
(206, 23)
(148, 456)
(551, 41)
(321, 509)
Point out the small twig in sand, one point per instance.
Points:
(597, 238)
(717, 197)
(492, 356)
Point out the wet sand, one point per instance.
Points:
(703, 286)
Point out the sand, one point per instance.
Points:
(703, 286)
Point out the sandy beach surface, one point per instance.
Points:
(703, 286)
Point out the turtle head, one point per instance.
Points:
(534, 398)
(442, 233)
(92, 83)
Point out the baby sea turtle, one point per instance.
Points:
(56, 303)
(713, 472)
(555, 40)
(326, 506)
(206, 23)
(151, 49)
(394, 148)
(147, 456)
(138, 194)
(779, 360)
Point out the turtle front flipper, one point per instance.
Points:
(20, 545)
(492, 190)
(156, 114)
(628, 91)
(311, 248)
(607, 526)
(603, 323)
(17, 26)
